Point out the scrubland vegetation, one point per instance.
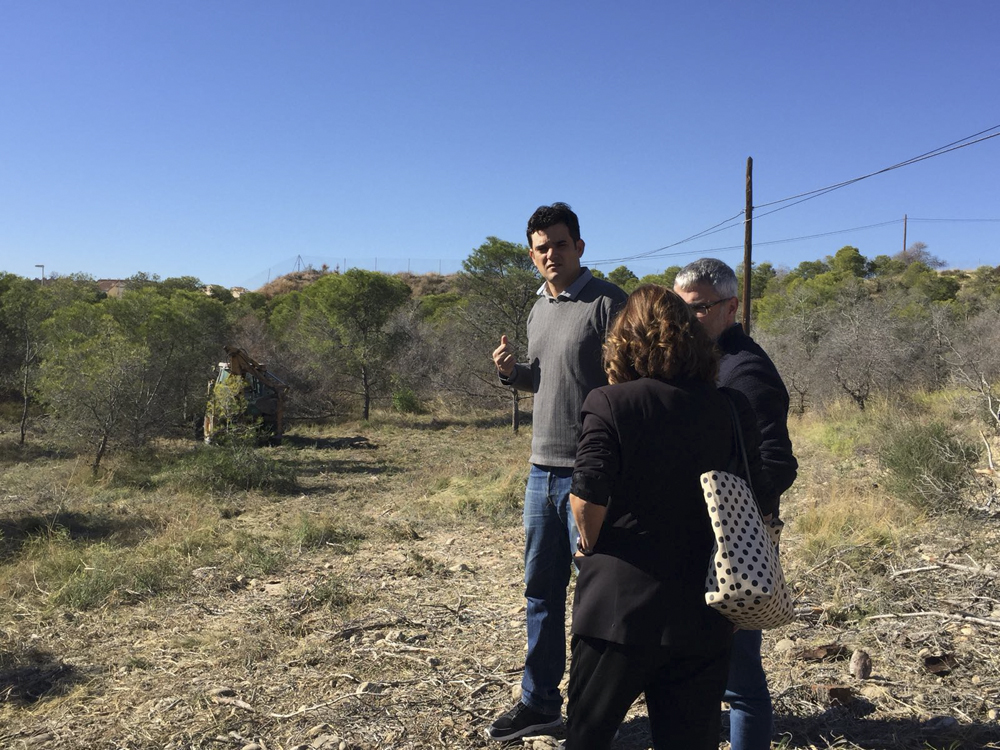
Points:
(360, 585)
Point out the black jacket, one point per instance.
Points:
(746, 368)
(643, 448)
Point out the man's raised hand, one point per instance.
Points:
(503, 357)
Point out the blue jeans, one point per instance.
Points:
(750, 713)
(549, 538)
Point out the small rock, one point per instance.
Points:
(515, 692)
(39, 739)
(875, 692)
(433, 661)
(325, 742)
(940, 723)
(274, 588)
(784, 645)
(861, 665)
(992, 714)
(833, 695)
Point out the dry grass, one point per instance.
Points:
(380, 603)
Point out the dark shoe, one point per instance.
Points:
(520, 721)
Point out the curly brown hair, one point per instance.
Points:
(656, 335)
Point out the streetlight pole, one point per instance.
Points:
(42, 266)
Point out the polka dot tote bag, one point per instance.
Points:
(745, 581)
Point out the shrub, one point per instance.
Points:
(236, 465)
(83, 576)
(405, 401)
(927, 464)
(497, 498)
(112, 575)
(331, 594)
(313, 533)
(253, 556)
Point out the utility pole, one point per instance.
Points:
(747, 247)
(42, 266)
(904, 235)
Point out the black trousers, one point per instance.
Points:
(683, 694)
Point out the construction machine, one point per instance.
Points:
(257, 397)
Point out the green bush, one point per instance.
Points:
(927, 464)
(405, 401)
(84, 576)
(236, 465)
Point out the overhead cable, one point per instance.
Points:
(802, 197)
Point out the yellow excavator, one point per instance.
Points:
(261, 397)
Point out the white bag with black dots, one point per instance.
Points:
(744, 582)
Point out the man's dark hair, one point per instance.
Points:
(548, 216)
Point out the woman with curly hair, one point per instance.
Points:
(640, 622)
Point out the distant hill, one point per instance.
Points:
(295, 281)
(420, 284)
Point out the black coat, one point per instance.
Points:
(746, 368)
(643, 447)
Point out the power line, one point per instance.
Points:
(947, 148)
(802, 197)
(761, 244)
(715, 229)
(793, 239)
(956, 221)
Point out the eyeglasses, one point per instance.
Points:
(702, 308)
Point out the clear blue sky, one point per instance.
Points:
(224, 139)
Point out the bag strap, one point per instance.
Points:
(739, 439)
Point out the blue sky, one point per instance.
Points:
(226, 139)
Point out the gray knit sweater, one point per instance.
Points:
(565, 336)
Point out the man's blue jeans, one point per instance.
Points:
(750, 712)
(549, 539)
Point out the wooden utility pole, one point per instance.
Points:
(904, 235)
(747, 247)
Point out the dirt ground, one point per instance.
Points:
(428, 645)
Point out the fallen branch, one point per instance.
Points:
(915, 570)
(945, 615)
(952, 566)
(226, 700)
(968, 569)
(989, 452)
(307, 709)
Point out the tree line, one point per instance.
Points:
(108, 372)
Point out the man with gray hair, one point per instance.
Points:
(710, 288)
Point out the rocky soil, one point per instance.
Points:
(413, 636)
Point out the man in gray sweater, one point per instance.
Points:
(566, 330)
